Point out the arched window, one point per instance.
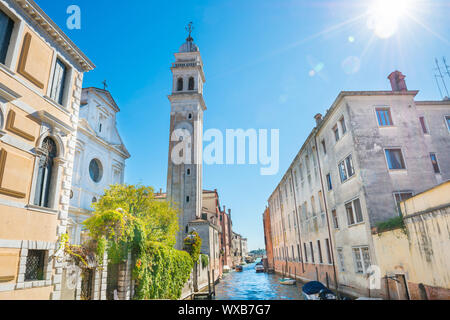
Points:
(191, 83)
(45, 172)
(180, 84)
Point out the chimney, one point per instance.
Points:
(398, 82)
(318, 118)
(225, 209)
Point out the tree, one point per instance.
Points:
(127, 211)
(129, 219)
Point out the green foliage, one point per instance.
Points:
(205, 260)
(391, 224)
(161, 272)
(193, 245)
(129, 219)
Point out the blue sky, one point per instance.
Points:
(268, 64)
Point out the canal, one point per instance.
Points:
(249, 285)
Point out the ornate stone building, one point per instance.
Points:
(41, 74)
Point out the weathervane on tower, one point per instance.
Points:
(189, 28)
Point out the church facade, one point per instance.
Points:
(100, 156)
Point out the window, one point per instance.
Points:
(447, 120)
(330, 183)
(319, 247)
(336, 133)
(191, 83)
(399, 198)
(395, 159)
(384, 117)
(335, 219)
(188, 172)
(95, 170)
(299, 253)
(343, 126)
(45, 171)
(327, 242)
(340, 253)
(58, 84)
(346, 169)
(188, 199)
(312, 252)
(34, 269)
(362, 259)
(354, 212)
(423, 124)
(434, 162)
(324, 146)
(306, 252)
(190, 116)
(180, 84)
(6, 28)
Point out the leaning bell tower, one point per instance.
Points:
(184, 176)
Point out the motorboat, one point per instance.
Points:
(259, 268)
(288, 282)
(239, 269)
(226, 269)
(315, 290)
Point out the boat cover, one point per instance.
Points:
(315, 287)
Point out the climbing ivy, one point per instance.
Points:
(205, 260)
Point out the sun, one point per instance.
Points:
(385, 15)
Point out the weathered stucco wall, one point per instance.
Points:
(421, 252)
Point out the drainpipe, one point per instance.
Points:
(328, 218)
(298, 222)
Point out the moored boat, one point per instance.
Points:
(288, 282)
(259, 268)
(315, 290)
(239, 269)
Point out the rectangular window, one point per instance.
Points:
(395, 159)
(447, 120)
(354, 212)
(58, 84)
(340, 253)
(399, 198)
(434, 162)
(343, 126)
(423, 124)
(306, 252)
(336, 133)
(6, 28)
(327, 242)
(335, 219)
(384, 117)
(319, 247)
(330, 183)
(346, 169)
(361, 256)
(299, 253)
(312, 252)
(34, 269)
(324, 146)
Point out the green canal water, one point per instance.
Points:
(249, 285)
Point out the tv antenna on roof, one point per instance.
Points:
(440, 76)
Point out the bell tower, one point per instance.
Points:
(184, 176)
